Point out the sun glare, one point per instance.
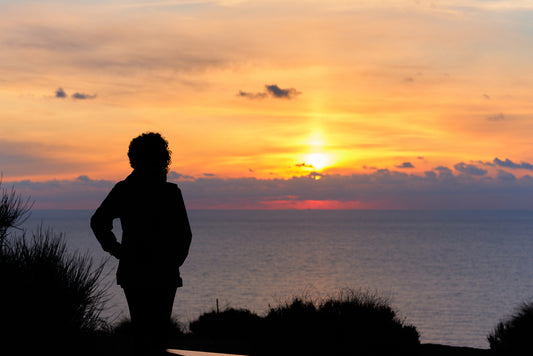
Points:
(318, 161)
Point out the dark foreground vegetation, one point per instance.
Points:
(50, 299)
(50, 303)
(349, 323)
(514, 335)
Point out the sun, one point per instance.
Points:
(317, 160)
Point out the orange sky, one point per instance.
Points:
(265, 89)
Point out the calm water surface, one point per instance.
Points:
(453, 275)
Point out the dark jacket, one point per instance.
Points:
(156, 234)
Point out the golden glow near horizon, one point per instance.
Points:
(317, 158)
(264, 89)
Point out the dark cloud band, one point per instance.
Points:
(468, 187)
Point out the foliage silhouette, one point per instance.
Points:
(14, 210)
(352, 322)
(49, 296)
(231, 331)
(513, 335)
(230, 323)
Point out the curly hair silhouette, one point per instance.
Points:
(149, 151)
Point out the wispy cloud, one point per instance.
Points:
(277, 92)
(82, 96)
(510, 164)
(405, 165)
(23, 158)
(178, 176)
(470, 169)
(61, 94)
(496, 117)
(273, 91)
(249, 95)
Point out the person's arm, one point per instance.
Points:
(102, 222)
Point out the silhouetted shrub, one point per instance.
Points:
(14, 210)
(350, 323)
(230, 323)
(231, 331)
(120, 334)
(353, 322)
(514, 335)
(49, 297)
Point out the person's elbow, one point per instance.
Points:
(99, 224)
(95, 223)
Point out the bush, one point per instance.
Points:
(513, 336)
(228, 324)
(49, 298)
(353, 322)
(14, 210)
(118, 338)
(231, 331)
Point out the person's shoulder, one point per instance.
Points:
(124, 186)
(172, 186)
(120, 185)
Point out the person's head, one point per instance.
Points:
(149, 152)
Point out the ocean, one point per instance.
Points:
(452, 274)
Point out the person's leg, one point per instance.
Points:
(138, 305)
(150, 312)
(163, 300)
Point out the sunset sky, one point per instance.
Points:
(272, 104)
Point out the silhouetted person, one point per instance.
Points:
(155, 240)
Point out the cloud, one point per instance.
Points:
(277, 92)
(506, 176)
(510, 164)
(23, 158)
(383, 188)
(470, 169)
(405, 165)
(444, 172)
(438, 188)
(496, 117)
(273, 91)
(172, 175)
(252, 95)
(81, 192)
(60, 93)
(107, 50)
(304, 165)
(81, 96)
